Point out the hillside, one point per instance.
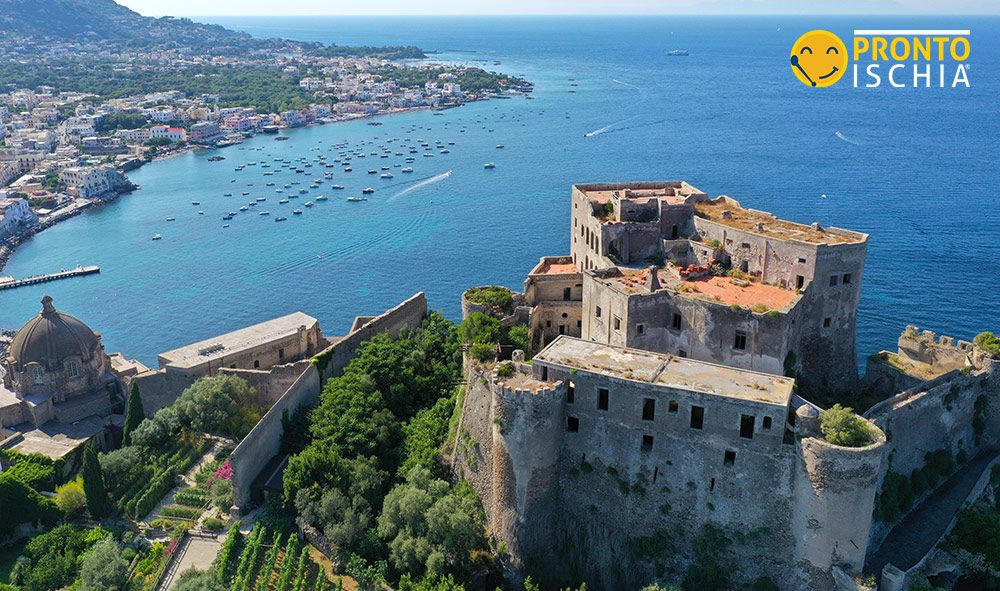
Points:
(105, 20)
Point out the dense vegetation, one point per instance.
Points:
(491, 296)
(369, 478)
(988, 342)
(392, 52)
(471, 79)
(259, 87)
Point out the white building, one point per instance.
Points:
(135, 136)
(89, 182)
(15, 213)
(174, 134)
(161, 115)
(311, 83)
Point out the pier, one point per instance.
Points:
(11, 283)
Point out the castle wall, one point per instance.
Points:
(271, 383)
(708, 329)
(942, 354)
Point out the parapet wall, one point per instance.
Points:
(271, 383)
(264, 441)
(941, 353)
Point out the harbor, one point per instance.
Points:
(11, 283)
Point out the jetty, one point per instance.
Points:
(11, 283)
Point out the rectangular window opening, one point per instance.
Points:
(802, 260)
(697, 417)
(676, 322)
(647, 443)
(573, 424)
(682, 353)
(618, 323)
(799, 281)
(545, 373)
(846, 278)
(711, 485)
(567, 293)
(281, 353)
(833, 280)
(826, 322)
(766, 423)
(672, 406)
(597, 312)
(746, 426)
(602, 399)
(571, 392)
(648, 409)
(730, 458)
(740, 342)
(640, 329)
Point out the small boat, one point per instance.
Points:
(269, 185)
(228, 195)
(280, 218)
(373, 171)
(367, 190)
(227, 217)
(244, 208)
(201, 213)
(170, 219)
(196, 203)
(446, 151)
(216, 158)
(281, 138)
(357, 199)
(246, 192)
(309, 204)
(489, 165)
(348, 169)
(313, 186)
(407, 169)
(265, 213)
(337, 186)
(321, 198)
(678, 52)
(283, 201)
(232, 213)
(387, 175)
(499, 146)
(225, 225)
(262, 199)
(303, 191)
(297, 212)
(157, 237)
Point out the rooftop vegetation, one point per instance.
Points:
(842, 427)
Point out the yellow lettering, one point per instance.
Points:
(921, 49)
(860, 47)
(878, 49)
(940, 43)
(965, 43)
(906, 49)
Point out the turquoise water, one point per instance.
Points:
(914, 168)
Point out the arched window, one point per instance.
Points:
(36, 372)
(74, 369)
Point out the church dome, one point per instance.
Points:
(51, 337)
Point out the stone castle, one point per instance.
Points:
(657, 413)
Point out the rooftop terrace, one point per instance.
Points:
(555, 266)
(666, 370)
(239, 340)
(728, 212)
(724, 290)
(674, 192)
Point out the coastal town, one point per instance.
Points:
(64, 150)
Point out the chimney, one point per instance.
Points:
(653, 281)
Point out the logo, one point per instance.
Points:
(899, 57)
(819, 58)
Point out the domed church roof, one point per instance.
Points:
(51, 337)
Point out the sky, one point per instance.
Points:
(438, 7)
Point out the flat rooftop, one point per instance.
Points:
(667, 370)
(674, 192)
(555, 268)
(728, 212)
(724, 290)
(239, 340)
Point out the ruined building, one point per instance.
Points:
(656, 421)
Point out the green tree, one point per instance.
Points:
(134, 413)
(93, 485)
(429, 528)
(988, 342)
(195, 580)
(71, 497)
(519, 337)
(479, 328)
(103, 568)
(842, 427)
(209, 404)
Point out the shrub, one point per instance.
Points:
(505, 371)
(180, 511)
(735, 307)
(759, 308)
(519, 337)
(479, 328)
(482, 351)
(842, 427)
(715, 244)
(491, 296)
(213, 524)
(988, 342)
(192, 498)
(71, 497)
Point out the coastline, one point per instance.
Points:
(7, 250)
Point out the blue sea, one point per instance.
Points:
(914, 168)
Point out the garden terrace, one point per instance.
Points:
(728, 212)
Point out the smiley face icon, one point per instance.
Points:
(819, 58)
